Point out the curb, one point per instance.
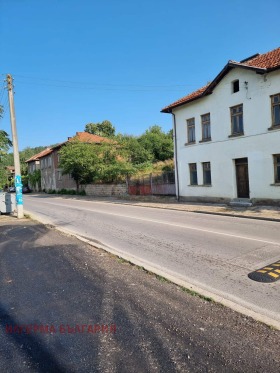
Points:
(218, 297)
(203, 212)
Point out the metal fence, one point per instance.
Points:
(153, 184)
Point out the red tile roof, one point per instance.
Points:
(84, 137)
(190, 97)
(37, 156)
(88, 137)
(269, 60)
(262, 63)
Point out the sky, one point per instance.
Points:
(80, 61)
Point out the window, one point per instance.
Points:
(49, 161)
(277, 168)
(206, 173)
(235, 86)
(191, 130)
(275, 107)
(193, 174)
(236, 120)
(205, 124)
(59, 175)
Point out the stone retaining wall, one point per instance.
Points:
(106, 190)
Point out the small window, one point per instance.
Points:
(206, 173)
(277, 168)
(191, 130)
(206, 129)
(235, 86)
(236, 113)
(193, 174)
(275, 107)
(59, 175)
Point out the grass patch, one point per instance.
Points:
(162, 279)
(121, 260)
(165, 280)
(195, 294)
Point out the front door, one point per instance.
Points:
(242, 178)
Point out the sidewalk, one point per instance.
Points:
(254, 212)
(56, 294)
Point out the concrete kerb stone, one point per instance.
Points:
(204, 209)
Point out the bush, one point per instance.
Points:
(71, 192)
(51, 191)
(82, 193)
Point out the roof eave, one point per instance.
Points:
(169, 109)
(273, 69)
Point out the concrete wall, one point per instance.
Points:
(106, 189)
(258, 143)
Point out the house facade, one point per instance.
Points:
(227, 134)
(52, 177)
(34, 164)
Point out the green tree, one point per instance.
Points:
(94, 162)
(5, 143)
(35, 179)
(158, 143)
(105, 129)
(81, 161)
(134, 150)
(114, 163)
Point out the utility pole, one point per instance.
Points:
(18, 184)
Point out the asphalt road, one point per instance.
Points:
(215, 253)
(56, 293)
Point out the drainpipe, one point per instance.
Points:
(175, 156)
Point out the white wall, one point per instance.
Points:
(258, 144)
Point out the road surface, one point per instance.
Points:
(66, 307)
(213, 253)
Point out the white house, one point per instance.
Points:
(227, 134)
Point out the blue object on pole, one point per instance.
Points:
(18, 186)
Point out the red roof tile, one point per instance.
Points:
(190, 97)
(263, 62)
(80, 136)
(88, 137)
(269, 60)
(37, 156)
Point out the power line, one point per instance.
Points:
(99, 86)
(104, 84)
